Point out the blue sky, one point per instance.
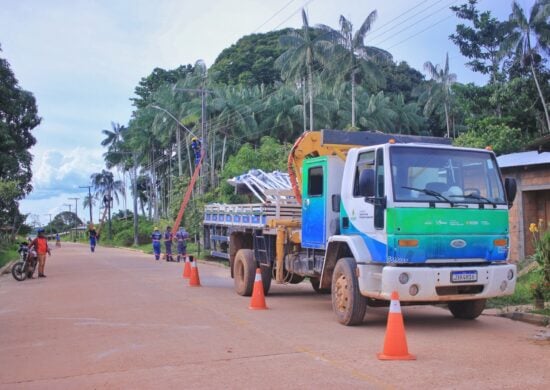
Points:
(83, 59)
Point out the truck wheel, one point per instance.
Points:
(467, 310)
(267, 274)
(244, 270)
(347, 302)
(315, 282)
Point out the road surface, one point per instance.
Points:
(118, 319)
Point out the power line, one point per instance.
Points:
(272, 16)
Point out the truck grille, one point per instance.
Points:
(457, 290)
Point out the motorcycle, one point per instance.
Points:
(26, 265)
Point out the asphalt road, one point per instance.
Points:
(118, 319)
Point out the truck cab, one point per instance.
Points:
(428, 221)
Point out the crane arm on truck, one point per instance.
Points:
(338, 143)
(310, 144)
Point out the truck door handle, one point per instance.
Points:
(306, 202)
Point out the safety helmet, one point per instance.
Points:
(194, 139)
(40, 230)
(156, 228)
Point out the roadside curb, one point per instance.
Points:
(531, 318)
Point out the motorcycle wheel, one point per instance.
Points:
(18, 271)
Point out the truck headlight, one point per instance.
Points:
(510, 275)
(403, 278)
(503, 285)
(413, 290)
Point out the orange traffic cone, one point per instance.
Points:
(186, 268)
(194, 280)
(258, 299)
(395, 341)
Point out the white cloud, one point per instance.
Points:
(58, 171)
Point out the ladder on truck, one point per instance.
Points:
(188, 194)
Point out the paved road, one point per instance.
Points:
(118, 319)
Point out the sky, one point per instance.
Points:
(83, 59)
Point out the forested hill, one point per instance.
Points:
(281, 83)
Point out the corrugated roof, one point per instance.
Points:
(523, 159)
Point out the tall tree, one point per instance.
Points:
(352, 58)
(18, 117)
(302, 52)
(530, 36)
(107, 189)
(439, 91)
(481, 42)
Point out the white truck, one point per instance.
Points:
(371, 213)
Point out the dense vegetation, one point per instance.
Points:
(18, 117)
(266, 89)
(279, 84)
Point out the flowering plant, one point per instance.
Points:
(541, 242)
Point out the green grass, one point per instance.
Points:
(522, 295)
(8, 254)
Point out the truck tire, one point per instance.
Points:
(348, 304)
(244, 269)
(267, 274)
(467, 310)
(315, 282)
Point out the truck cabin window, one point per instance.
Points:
(433, 175)
(364, 161)
(315, 183)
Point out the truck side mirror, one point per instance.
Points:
(511, 189)
(366, 183)
(335, 203)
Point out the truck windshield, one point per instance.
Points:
(422, 174)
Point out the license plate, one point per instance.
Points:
(463, 276)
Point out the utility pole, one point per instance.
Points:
(90, 200)
(68, 205)
(50, 223)
(134, 187)
(76, 218)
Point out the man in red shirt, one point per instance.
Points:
(40, 244)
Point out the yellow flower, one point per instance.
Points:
(533, 228)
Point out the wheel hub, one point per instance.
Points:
(341, 287)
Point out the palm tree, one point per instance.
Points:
(537, 28)
(351, 55)
(378, 114)
(303, 51)
(89, 201)
(440, 90)
(106, 188)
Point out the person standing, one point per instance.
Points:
(92, 234)
(57, 240)
(156, 237)
(181, 237)
(40, 244)
(168, 237)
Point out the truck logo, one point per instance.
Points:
(458, 244)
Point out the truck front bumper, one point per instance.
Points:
(433, 284)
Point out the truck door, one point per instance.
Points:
(314, 201)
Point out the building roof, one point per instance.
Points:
(523, 159)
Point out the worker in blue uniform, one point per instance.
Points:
(181, 238)
(196, 145)
(168, 237)
(156, 237)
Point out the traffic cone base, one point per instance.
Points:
(395, 341)
(258, 298)
(194, 280)
(186, 269)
